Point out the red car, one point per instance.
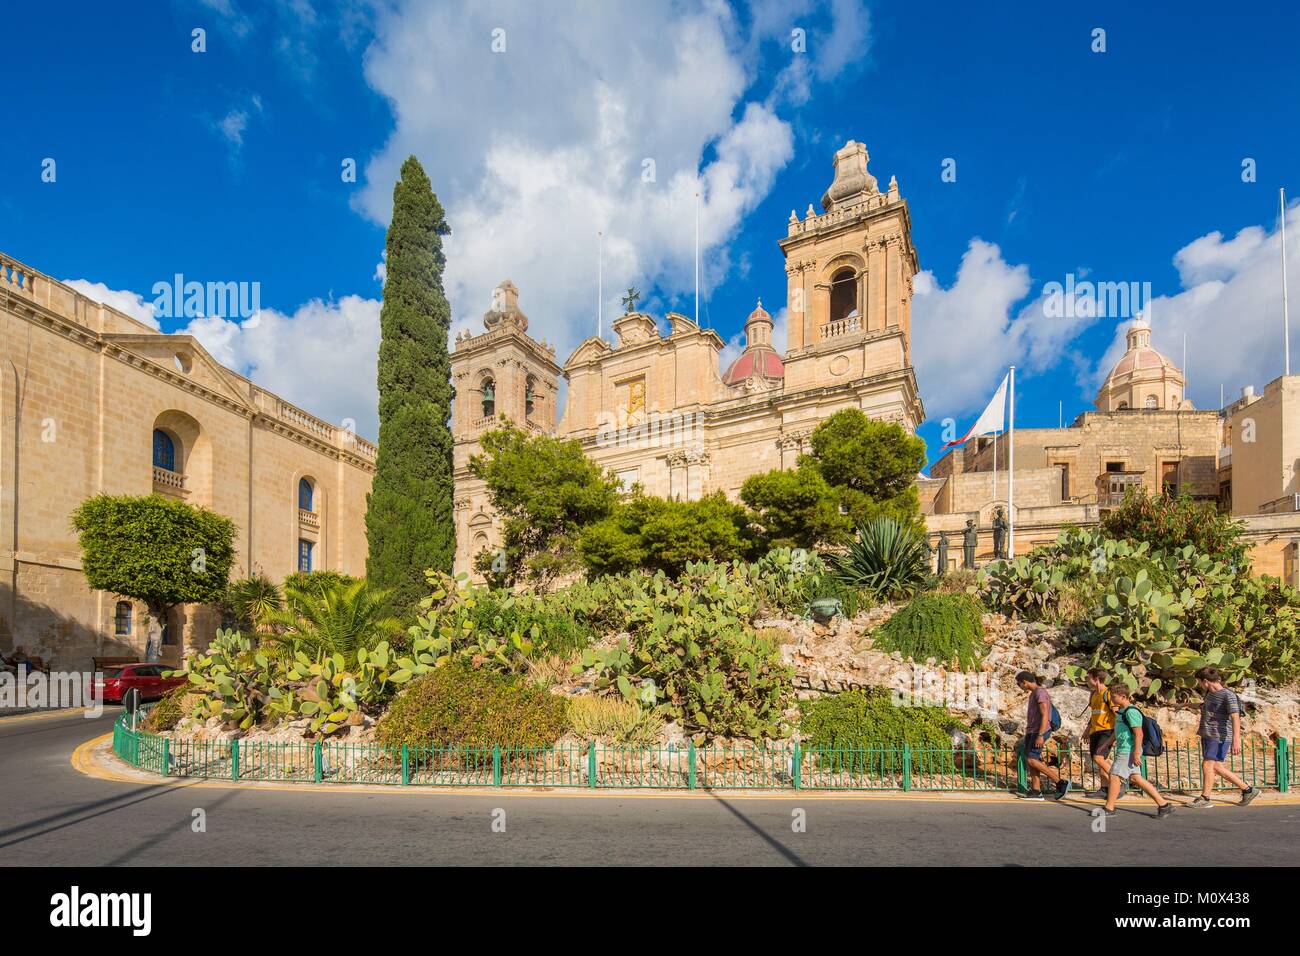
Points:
(147, 677)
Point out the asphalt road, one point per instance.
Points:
(52, 814)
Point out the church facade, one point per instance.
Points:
(654, 407)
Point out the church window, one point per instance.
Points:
(489, 398)
(844, 295)
(530, 396)
(164, 450)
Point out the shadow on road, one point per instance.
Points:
(771, 841)
(59, 821)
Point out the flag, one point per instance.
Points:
(993, 418)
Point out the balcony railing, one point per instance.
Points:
(308, 519)
(840, 327)
(169, 481)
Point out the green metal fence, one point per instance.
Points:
(732, 766)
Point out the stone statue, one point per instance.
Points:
(999, 534)
(927, 551)
(943, 552)
(969, 538)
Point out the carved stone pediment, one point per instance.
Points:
(635, 328)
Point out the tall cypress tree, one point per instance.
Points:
(409, 524)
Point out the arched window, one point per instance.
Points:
(489, 398)
(305, 495)
(1151, 402)
(122, 618)
(530, 396)
(1122, 406)
(164, 450)
(844, 294)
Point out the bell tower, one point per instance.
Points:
(503, 372)
(849, 276)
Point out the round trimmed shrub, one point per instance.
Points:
(871, 723)
(460, 706)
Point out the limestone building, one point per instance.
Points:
(655, 407)
(1143, 434)
(93, 401)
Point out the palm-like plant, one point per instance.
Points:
(334, 618)
(886, 558)
(252, 600)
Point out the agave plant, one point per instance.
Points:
(887, 558)
(335, 619)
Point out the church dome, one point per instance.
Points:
(764, 363)
(1142, 378)
(759, 360)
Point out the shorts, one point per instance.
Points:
(1218, 750)
(1099, 744)
(1122, 768)
(1032, 748)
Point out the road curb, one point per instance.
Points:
(95, 758)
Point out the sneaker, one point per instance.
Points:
(1109, 813)
(1032, 795)
(1201, 803)
(1064, 786)
(1248, 795)
(1164, 811)
(1099, 794)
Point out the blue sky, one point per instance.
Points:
(225, 165)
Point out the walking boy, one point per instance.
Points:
(1038, 729)
(1101, 730)
(1128, 753)
(1220, 733)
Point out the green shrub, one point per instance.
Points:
(1169, 524)
(887, 559)
(861, 720)
(946, 627)
(659, 534)
(614, 721)
(168, 712)
(458, 705)
(557, 629)
(318, 580)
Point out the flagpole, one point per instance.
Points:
(697, 256)
(1011, 473)
(1286, 318)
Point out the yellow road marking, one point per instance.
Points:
(44, 715)
(82, 760)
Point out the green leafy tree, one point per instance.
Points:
(662, 535)
(795, 508)
(409, 522)
(155, 549)
(872, 465)
(1169, 524)
(546, 491)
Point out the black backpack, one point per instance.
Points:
(1153, 738)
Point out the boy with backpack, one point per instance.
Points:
(1101, 729)
(1041, 721)
(1220, 733)
(1130, 734)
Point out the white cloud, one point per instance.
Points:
(963, 337)
(1230, 310)
(536, 149)
(322, 357)
(130, 303)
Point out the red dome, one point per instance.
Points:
(762, 362)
